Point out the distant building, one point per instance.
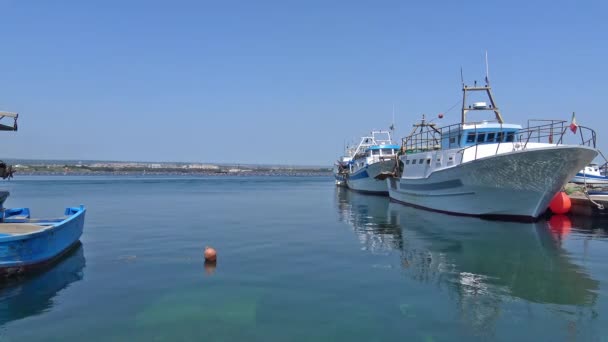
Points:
(203, 166)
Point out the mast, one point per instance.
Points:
(393, 123)
(488, 89)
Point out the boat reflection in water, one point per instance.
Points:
(367, 214)
(527, 259)
(485, 263)
(33, 294)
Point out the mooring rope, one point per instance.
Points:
(598, 205)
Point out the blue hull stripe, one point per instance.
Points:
(359, 175)
(590, 176)
(451, 184)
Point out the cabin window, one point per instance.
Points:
(499, 136)
(421, 161)
(510, 136)
(413, 161)
(471, 137)
(387, 151)
(428, 161)
(481, 137)
(491, 137)
(407, 162)
(375, 152)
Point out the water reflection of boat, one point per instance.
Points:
(524, 260)
(478, 259)
(33, 294)
(367, 216)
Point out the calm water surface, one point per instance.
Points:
(299, 260)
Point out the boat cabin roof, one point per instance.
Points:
(489, 125)
(376, 141)
(380, 147)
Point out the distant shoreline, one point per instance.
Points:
(137, 169)
(243, 174)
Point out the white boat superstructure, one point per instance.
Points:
(591, 175)
(374, 155)
(488, 168)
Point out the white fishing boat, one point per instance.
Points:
(374, 155)
(590, 175)
(489, 168)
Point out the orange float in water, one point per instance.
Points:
(560, 225)
(210, 254)
(560, 204)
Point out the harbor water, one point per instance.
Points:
(298, 260)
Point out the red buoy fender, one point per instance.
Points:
(560, 204)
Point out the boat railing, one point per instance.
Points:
(426, 140)
(557, 132)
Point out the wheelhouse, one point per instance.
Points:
(469, 134)
(383, 150)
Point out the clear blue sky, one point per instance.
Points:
(283, 82)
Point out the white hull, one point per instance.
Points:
(519, 183)
(364, 179)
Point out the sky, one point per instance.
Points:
(282, 82)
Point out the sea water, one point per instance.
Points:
(298, 260)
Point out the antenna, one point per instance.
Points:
(461, 77)
(487, 70)
(393, 123)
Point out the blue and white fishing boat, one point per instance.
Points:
(489, 168)
(590, 175)
(374, 155)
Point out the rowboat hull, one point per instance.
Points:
(27, 244)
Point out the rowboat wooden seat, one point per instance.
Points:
(50, 220)
(20, 228)
(19, 217)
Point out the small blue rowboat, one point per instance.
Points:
(27, 244)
